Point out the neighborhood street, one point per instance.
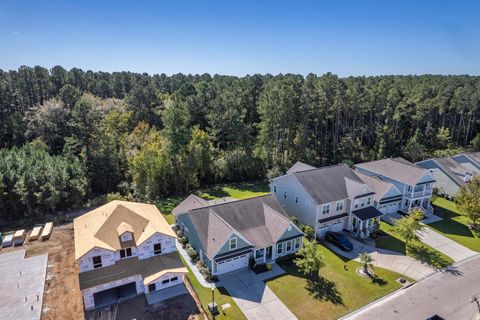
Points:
(445, 294)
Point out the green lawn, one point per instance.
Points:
(221, 297)
(237, 190)
(454, 225)
(418, 250)
(339, 291)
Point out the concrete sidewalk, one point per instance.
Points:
(204, 283)
(446, 246)
(386, 259)
(254, 297)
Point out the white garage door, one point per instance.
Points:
(392, 207)
(336, 226)
(232, 264)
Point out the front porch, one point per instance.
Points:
(422, 204)
(365, 222)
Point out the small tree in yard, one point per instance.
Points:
(408, 227)
(468, 201)
(366, 260)
(309, 259)
(308, 230)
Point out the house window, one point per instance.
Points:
(173, 279)
(326, 209)
(297, 243)
(407, 202)
(356, 203)
(275, 189)
(165, 281)
(369, 201)
(97, 261)
(285, 194)
(289, 246)
(233, 243)
(339, 205)
(259, 254)
(280, 248)
(409, 188)
(296, 199)
(362, 202)
(157, 248)
(125, 253)
(152, 287)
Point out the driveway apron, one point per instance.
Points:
(254, 297)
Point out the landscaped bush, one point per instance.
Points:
(183, 241)
(308, 230)
(192, 253)
(202, 267)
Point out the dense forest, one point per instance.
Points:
(70, 136)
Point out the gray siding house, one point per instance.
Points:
(415, 182)
(228, 234)
(387, 198)
(449, 175)
(328, 199)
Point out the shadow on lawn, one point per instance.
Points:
(450, 226)
(325, 290)
(428, 256)
(378, 281)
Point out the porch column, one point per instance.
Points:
(264, 255)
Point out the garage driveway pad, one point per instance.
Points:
(254, 297)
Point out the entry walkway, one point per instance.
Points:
(254, 297)
(446, 246)
(386, 259)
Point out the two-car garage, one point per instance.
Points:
(388, 208)
(336, 224)
(109, 296)
(232, 264)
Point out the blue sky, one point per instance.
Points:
(244, 37)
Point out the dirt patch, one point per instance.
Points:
(62, 298)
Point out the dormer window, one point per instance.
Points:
(233, 243)
(125, 232)
(125, 253)
(97, 261)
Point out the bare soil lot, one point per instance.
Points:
(62, 296)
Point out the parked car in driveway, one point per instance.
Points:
(339, 239)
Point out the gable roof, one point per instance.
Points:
(397, 169)
(328, 184)
(100, 228)
(379, 186)
(259, 221)
(300, 166)
(452, 169)
(189, 203)
(474, 156)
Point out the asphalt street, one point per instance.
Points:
(445, 294)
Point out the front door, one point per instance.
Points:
(269, 253)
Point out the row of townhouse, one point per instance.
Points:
(451, 173)
(338, 197)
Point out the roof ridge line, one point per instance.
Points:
(230, 202)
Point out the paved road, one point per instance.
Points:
(254, 297)
(446, 246)
(445, 294)
(387, 259)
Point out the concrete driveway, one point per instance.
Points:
(446, 246)
(254, 297)
(386, 259)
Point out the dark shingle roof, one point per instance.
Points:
(379, 186)
(331, 183)
(452, 169)
(300, 166)
(367, 213)
(261, 221)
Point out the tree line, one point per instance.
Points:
(146, 136)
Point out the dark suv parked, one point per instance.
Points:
(338, 239)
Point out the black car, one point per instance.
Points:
(338, 239)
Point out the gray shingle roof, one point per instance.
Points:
(328, 184)
(261, 221)
(396, 168)
(379, 186)
(300, 166)
(367, 213)
(452, 169)
(189, 203)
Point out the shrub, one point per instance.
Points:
(192, 253)
(286, 260)
(202, 267)
(308, 230)
(294, 219)
(183, 241)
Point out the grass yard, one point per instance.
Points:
(418, 250)
(339, 291)
(221, 297)
(237, 190)
(454, 225)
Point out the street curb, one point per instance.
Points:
(404, 289)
